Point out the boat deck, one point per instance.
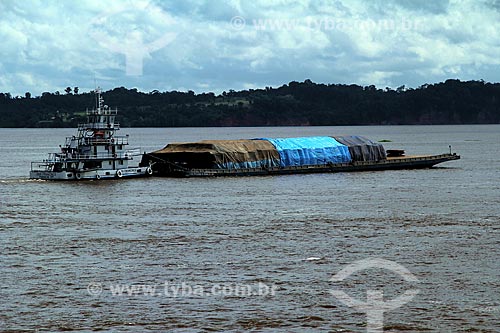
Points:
(391, 163)
(410, 156)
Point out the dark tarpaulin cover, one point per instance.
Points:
(315, 150)
(223, 154)
(362, 149)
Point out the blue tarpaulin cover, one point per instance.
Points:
(315, 150)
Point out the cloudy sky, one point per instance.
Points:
(217, 45)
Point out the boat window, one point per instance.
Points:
(92, 165)
(58, 167)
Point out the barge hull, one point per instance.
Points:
(391, 163)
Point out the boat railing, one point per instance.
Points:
(92, 126)
(40, 166)
(70, 157)
(100, 156)
(118, 140)
(53, 158)
(48, 163)
(102, 112)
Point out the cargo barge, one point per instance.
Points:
(268, 156)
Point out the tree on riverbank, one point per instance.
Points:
(295, 103)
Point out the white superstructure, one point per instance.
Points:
(96, 152)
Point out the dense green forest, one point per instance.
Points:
(295, 103)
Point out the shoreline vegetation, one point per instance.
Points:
(293, 104)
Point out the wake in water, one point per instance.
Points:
(19, 180)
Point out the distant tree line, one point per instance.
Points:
(295, 103)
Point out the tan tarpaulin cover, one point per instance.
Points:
(235, 153)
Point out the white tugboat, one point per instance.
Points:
(94, 153)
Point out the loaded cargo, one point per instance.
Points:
(268, 156)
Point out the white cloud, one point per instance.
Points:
(47, 46)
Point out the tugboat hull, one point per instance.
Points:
(92, 174)
(51, 175)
